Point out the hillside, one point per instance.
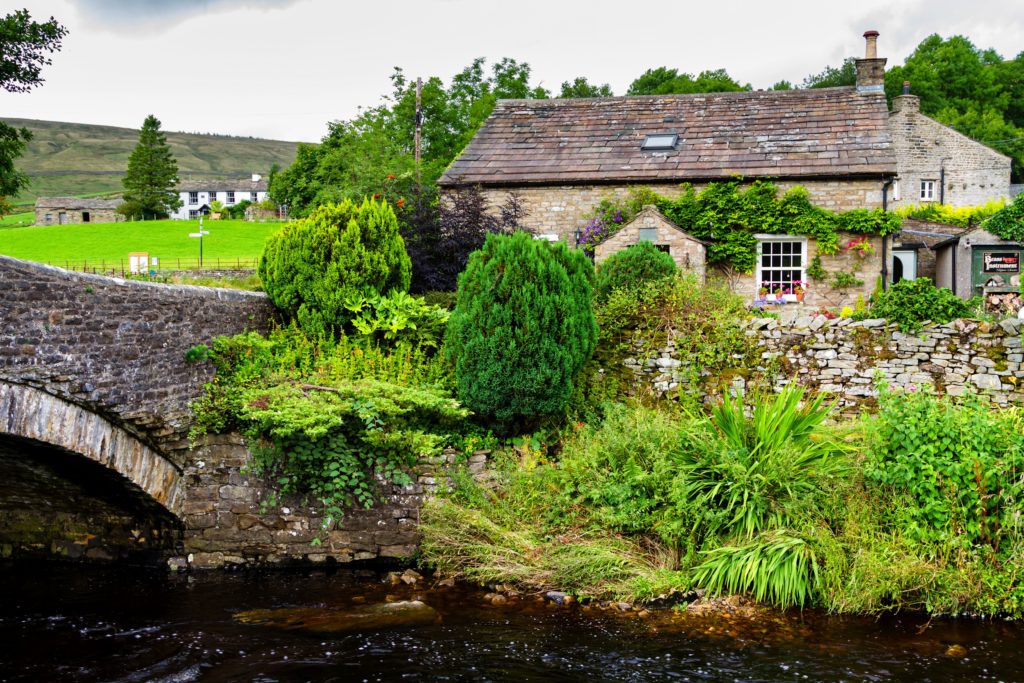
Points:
(79, 159)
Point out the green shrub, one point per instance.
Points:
(330, 414)
(399, 318)
(912, 302)
(341, 252)
(522, 329)
(958, 465)
(641, 262)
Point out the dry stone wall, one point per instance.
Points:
(848, 359)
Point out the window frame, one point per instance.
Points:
(253, 197)
(761, 268)
(193, 198)
(927, 193)
(231, 197)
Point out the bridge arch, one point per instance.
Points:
(28, 413)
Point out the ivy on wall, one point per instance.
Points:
(728, 215)
(1009, 222)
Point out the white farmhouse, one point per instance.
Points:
(197, 195)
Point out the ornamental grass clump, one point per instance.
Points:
(522, 328)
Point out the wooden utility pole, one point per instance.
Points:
(419, 127)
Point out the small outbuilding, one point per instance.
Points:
(651, 225)
(75, 210)
(979, 263)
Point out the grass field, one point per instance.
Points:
(107, 245)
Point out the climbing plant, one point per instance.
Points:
(729, 215)
(1008, 223)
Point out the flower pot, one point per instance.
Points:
(800, 296)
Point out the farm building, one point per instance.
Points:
(74, 210)
(197, 195)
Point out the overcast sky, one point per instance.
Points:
(283, 68)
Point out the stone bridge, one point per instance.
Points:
(95, 463)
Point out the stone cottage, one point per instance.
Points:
(74, 210)
(563, 156)
(935, 163)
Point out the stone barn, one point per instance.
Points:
(74, 210)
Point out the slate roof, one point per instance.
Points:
(229, 185)
(815, 133)
(75, 203)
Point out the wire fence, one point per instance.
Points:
(124, 266)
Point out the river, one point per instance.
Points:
(90, 623)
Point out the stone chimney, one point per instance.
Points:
(906, 102)
(871, 69)
(256, 177)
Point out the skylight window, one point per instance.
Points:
(660, 141)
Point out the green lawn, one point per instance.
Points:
(108, 244)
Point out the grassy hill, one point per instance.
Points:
(78, 159)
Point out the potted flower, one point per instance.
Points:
(780, 295)
(799, 289)
(762, 293)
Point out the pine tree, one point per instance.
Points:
(151, 177)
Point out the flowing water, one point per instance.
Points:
(75, 623)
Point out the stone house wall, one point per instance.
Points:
(847, 358)
(974, 173)
(561, 210)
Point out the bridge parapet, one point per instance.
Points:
(117, 347)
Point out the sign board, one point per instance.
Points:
(138, 262)
(1000, 262)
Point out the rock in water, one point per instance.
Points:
(355, 619)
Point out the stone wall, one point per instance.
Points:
(974, 173)
(229, 519)
(116, 347)
(846, 358)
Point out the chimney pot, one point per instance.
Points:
(871, 46)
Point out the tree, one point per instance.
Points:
(582, 88)
(833, 77)
(151, 177)
(440, 235)
(342, 252)
(522, 328)
(374, 154)
(24, 45)
(665, 81)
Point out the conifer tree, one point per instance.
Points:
(151, 177)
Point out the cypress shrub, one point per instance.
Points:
(523, 326)
(630, 267)
(341, 252)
